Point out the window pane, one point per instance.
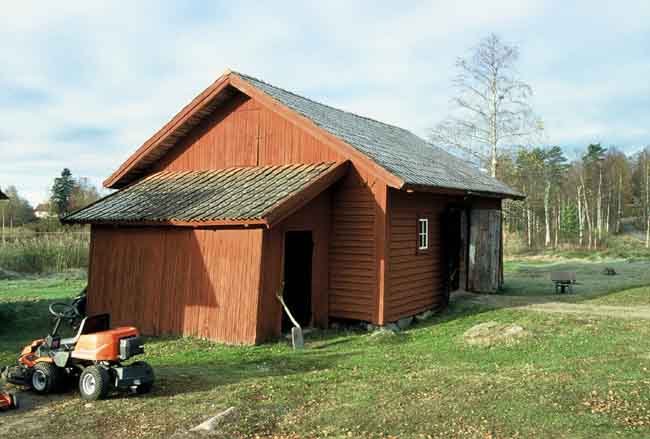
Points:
(423, 233)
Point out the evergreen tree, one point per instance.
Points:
(62, 192)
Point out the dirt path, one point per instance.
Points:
(546, 304)
(32, 416)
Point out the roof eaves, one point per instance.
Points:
(193, 224)
(514, 195)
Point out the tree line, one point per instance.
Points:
(579, 203)
(67, 194)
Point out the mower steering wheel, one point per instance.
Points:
(64, 311)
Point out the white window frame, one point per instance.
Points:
(423, 233)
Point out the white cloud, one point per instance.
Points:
(120, 76)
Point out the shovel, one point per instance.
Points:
(297, 339)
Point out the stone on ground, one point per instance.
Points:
(492, 333)
(383, 335)
(426, 315)
(405, 322)
(213, 423)
(391, 327)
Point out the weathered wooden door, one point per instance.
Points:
(484, 268)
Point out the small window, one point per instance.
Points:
(423, 234)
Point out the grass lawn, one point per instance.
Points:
(574, 377)
(531, 277)
(631, 297)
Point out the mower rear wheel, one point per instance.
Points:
(46, 378)
(94, 383)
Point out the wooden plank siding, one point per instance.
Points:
(243, 133)
(220, 281)
(343, 220)
(352, 253)
(201, 282)
(414, 277)
(315, 218)
(262, 137)
(485, 251)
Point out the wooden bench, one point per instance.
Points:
(564, 281)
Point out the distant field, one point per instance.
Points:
(531, 276)
(28, 252)
(574, 377)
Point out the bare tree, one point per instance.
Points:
(492, 105)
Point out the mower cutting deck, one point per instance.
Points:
(93, 356)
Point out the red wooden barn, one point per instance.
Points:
(250, 186)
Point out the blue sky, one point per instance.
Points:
(83, 84)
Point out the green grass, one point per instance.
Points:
(23, 306)
(634, 296)
(45, 252)
(42, 288)
(573, 378)
(531, 276)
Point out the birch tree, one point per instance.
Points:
(492, 106)
(554, 165)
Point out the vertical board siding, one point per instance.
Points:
(353, 268)
(208, 283)
(245, 134)
(484, 271)
(415, 278)
(263, 137)
(201, 282)
(315, 217)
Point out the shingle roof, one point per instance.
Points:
(402, 153)
(249, 193)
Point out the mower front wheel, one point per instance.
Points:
(94, 383)
(46, 378)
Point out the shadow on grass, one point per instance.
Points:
(211, 373)
(29, 401)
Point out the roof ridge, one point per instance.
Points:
(245, 76)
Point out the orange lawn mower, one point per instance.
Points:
(93, 357)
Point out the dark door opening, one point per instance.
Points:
(298, 248)
(452, 243)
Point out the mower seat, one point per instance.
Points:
(89, 325)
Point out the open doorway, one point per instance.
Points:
(298, 247)
(452, 247)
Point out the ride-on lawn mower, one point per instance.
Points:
(93, 356)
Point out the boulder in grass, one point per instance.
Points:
(493, 333)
